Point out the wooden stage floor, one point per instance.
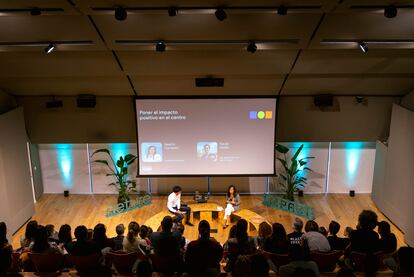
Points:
(89, 210)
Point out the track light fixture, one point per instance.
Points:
(251, 47)
(120, 14)
(172, 11)
(390, 11)
(220, 14)
(35, 12)
(363, 46)
(160, 46)
(282, 10)
(50, 48)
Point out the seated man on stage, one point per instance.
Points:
(174, 205)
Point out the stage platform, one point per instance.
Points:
(89, 210)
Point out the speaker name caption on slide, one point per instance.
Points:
(161, 115)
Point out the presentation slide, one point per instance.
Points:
(215, 136)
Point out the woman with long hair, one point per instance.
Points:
(29, 234)
(232, 204)
(277, 242)
(41, 244)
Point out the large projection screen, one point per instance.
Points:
(205, 136)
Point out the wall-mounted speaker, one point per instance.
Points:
(323, 100)
(86, 101)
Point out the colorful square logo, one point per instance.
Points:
(253, 115)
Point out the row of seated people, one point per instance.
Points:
(244, 255)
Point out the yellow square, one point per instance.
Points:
(268, 115)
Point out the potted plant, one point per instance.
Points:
(119, 171)
(292, 177)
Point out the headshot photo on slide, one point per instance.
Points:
(151, 152)
(207, 151)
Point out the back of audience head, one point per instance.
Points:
(120, 229)
(81, 233)
(41, 242)
(31, 229)
(405, 259)
(278, 231)
(334, 228)
(3, 234)
(143, 231)
(64, 234)
(241, 230)
(50, 228)
(384, 228)
(204, 229)
(259, 266)
(167, 224)
(144, 269)
(232, 232)
(298, 225)
(311, 226)
(180, 228)
(265, 230)
(323, 231)
(133, 231)
(347, 231)
(297, 253)
(367, 219)
(99, 232)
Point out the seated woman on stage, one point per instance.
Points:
(232, 204)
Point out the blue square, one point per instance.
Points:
(253, 115)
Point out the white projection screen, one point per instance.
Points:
(205, 136)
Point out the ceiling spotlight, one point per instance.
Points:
(220, 14)
(251, 47)
(50, 48)
(120, 14)
(390, 11)
(363, 46)
(160, 46)
(35, 12)
(282, 10)
(172, 11)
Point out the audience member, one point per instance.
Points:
(119, 239)
(5, 250)
(313, 239)
(277, 243)
(131, 242)
(336, 242)
(166, 243)
(51, 233)
(298, 261)
(41, 243)
(255, 265)
(82, 246)
(144, 233)
(29, 234)
(242, 244)
(100, 238)
(203, 256)
(265, 230)
(388, 241)
(184, 242)
(347, 231)
(64, 237)
(295, 238)
(365, 239)
(232, 235)
(144, 269)
(405, 258)
(323, 231)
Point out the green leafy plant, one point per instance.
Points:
(119, 171)
(292, 177)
